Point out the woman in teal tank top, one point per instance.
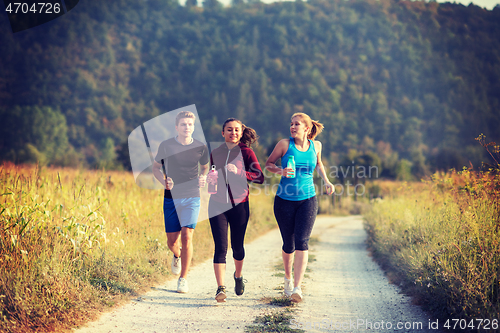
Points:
(301, 186)
(295, 204)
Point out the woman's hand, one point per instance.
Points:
(330, 188)
(287, 172)
(232, 168)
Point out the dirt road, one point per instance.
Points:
(345, 291)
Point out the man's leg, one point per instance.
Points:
(187, 210)
(173, 243)
(187, 250)
(172, 227)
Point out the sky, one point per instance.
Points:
(488, 4)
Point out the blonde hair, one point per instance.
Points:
(184, 114)
(315, 126)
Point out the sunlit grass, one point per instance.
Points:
(441, 241)
(75, 241)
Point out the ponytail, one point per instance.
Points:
(316, 129)
(249, 136)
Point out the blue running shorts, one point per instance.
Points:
(180, 213)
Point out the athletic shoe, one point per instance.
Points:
(176, 265)
(239, 285)
(182, 285)
(220, 295)
(288, 287)
(297, 295)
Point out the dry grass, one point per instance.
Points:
(441, 241)
(75, 241)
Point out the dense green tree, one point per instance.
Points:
(400, 79)
(34, 134)
(212, 4)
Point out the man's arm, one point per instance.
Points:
(157, 173)
(161, 178)
(202, 179)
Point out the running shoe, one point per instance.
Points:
(296, 295)
(220, 295)
(239, 285)
(288, 287)
(182, 285)
(176, 265)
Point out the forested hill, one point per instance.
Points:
(408, 85)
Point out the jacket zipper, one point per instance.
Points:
(227, 188)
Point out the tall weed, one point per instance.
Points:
(73, 242)
(441, 241)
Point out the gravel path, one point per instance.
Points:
(345, 291)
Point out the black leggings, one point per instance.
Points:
(296, 220)
(237, 218)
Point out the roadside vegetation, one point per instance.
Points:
(440, 240)
(74, 242)
(274, 321)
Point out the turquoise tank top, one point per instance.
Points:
(302, 186)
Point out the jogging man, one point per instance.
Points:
(179, 158)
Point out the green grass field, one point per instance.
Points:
(73, 242)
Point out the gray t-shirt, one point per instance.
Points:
(181, 163)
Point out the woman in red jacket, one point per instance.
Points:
(236, 164)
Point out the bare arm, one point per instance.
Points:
(278, 152)
(157, 173)
(161, 178)
(202, 178)
(320, 168)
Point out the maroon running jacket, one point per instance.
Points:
(233, 187)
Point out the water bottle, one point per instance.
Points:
(212, 180)
(291, 165)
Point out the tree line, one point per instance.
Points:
(404, 85)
